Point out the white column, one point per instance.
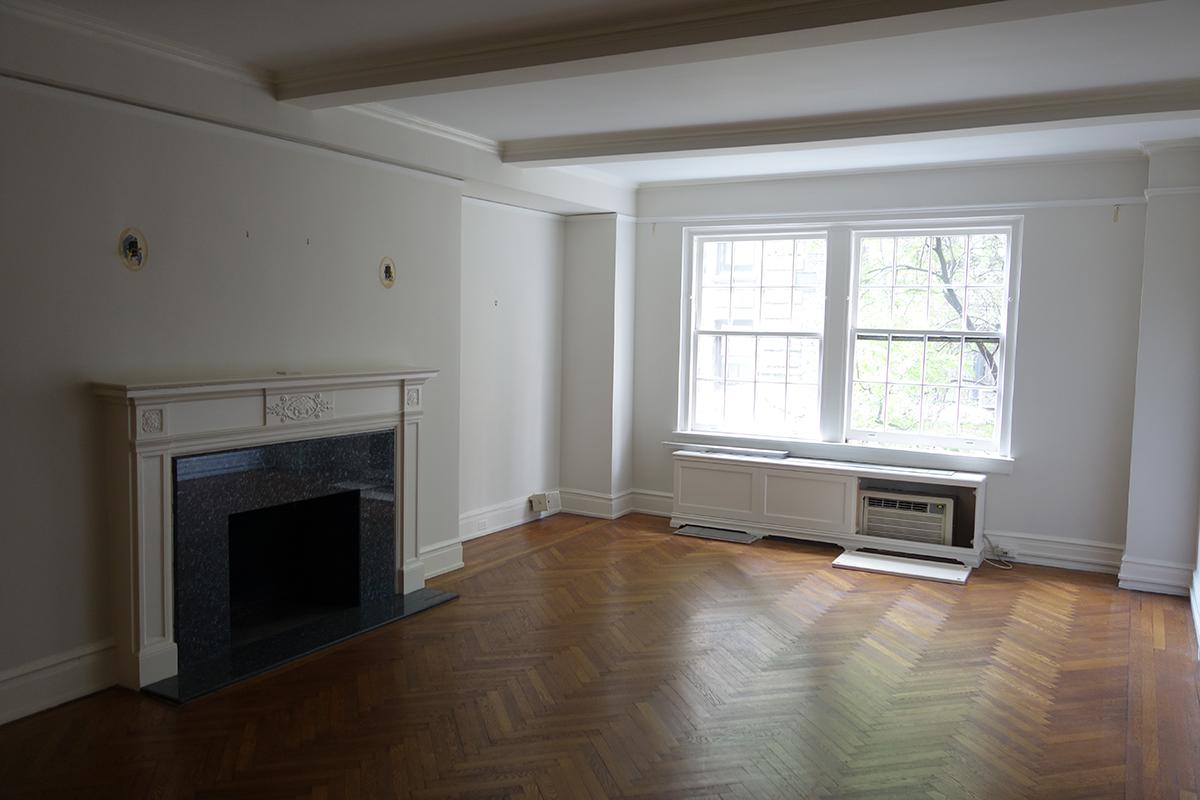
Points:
(596, 462)
(1164, 470)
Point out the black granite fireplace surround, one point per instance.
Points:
(280, 550)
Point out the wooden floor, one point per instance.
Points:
(610, 659)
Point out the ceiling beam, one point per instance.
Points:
(1160, 98)
(713, 31)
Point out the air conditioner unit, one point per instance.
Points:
(910, 517)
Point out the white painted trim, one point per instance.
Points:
(589, 504)
(442, 558)
(501, 516)
(1161, 145)
(1172, 190)
(56, 679)
(468, 200)
(1150, 575)
(1057, 551)
(854, 216)
(1017, 161)
(98, 29)
(1195, 603)
(649, 501)
(1030, 110)
(395, 116)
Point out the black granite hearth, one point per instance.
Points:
(253, 658)
(281, 550)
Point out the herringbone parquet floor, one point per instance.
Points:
(597, 659)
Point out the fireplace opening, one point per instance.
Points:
(290, 564)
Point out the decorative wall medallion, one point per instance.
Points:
(151, 420)
(387, 273)
(297, 407)
(412, 398)
(131, 247)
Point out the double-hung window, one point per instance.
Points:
(894, 336)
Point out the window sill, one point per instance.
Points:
(862, 454)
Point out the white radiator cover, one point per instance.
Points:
(814, 500)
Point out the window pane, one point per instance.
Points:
(804, 360)
(714, 309)
(978, 413)
(710, 404)
(777, 262)
(874, 308)
(866, 412)
(745, 312)
(776, 309)
(909, 309)
(948, 260)
(912, 261)
(769, 408)
(988, 259)
(870, 358)
(904, 362)
(810, 262)
(940, 412)
(942, 360)
(715, 261)
(739, 363)
(875, 256)
(980, 362)
(946, 308)
(984, 308)
(710, 357)
(903, 407)
(739, 406)
(747, 263)
(803, 409)
(808, 310)
(772, 360)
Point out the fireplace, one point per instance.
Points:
(291, 563)
(256, 520)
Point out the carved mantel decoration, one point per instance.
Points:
(148, 425)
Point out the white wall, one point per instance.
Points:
(1077, 331)
(1165, 471)
(301, 291)
(512, 284)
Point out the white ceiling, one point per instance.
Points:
(1113, 47)
(999, 52)
(280, 34)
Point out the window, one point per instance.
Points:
(760, 314)
(887, 335)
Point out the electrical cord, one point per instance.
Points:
(995, 560)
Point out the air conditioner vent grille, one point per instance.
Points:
(910, 518)
(903, 505)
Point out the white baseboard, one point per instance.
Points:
(1058, 551)
(1162, 577)
(498, 517)
(442, 558)
(56, 679)
(614, 506)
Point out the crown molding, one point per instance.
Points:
(395, 116)
(100, 30)
(1168, 191)
(1163, 145)
(1173, 96)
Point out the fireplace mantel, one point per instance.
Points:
(147, 424)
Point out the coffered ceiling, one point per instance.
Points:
(646, 90)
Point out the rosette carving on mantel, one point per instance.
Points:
(299, 407)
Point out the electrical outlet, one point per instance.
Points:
(481, 524)
(539, 502)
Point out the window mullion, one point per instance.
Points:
(835, 344)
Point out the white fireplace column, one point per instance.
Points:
(147, 425)
(1164, 469)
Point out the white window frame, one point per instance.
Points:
(835, 375)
